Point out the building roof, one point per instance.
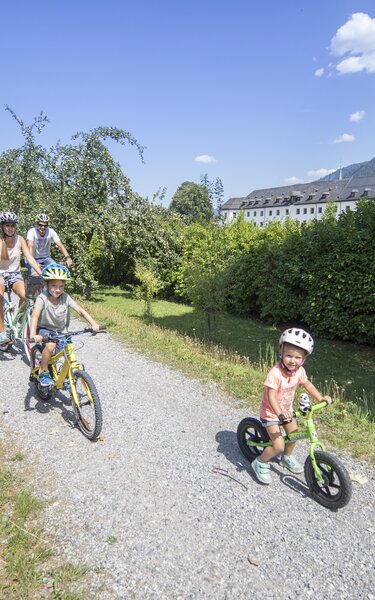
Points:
(305, 193)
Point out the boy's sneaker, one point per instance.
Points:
(45, 378)
(292, 464)
(262, 471)
(4, 339)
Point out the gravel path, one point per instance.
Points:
(165, 507)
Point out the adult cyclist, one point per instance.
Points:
(12, 246)
(39, 240)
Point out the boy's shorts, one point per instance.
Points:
(59, 343)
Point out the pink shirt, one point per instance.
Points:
(285, 385)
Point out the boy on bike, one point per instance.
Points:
(276, 410)
(39, 240)
(51, 314)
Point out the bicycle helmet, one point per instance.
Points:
(8, 217)
(297, 337)
(55, 271)
(41, 218)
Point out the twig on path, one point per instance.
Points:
(226, 474)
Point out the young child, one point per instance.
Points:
(51, 313)
(278, 395)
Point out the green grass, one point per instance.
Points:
(27, 563)
(238, 362)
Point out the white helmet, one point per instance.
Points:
(297, 337)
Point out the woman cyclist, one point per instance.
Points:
(11, 246)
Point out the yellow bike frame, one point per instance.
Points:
(65, 371)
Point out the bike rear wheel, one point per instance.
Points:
(45, 392)
(252, 430)
(335, 490)
(88, 412)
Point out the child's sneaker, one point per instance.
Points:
(4, 339)
(45, 378)
(262, 471)
(292, 464)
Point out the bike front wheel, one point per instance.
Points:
(251, 430)
(88, 410)
(26, 335)
(335, 490)
(45, 392)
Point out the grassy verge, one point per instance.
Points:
(176, 337)
(27, 564)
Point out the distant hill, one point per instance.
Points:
(363, 169)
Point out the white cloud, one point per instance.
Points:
(319, 72)
(355, 43)
(320, 172)
(345, 137)
(357, 116)
(205, 158)
(292, 180)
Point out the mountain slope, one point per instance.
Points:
(363, 169)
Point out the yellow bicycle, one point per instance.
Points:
(70, 376)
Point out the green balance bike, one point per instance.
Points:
(327, 478)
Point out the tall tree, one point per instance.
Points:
(192, 202)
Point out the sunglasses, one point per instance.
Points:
(42, 225)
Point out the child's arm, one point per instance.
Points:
(272, 398)
(34, 324)
(311, 389)
(82, 313)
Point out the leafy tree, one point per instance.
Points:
(192, 202)
(149, 285)
(215, 191)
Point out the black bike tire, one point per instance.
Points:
(342, 497)
(45, 393)
(251, 427)
(91, 434)
(7, 325)
(26, 336)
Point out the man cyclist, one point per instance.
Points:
(39, 240)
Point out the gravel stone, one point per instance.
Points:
(166, 507)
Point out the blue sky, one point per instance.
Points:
(258, 93)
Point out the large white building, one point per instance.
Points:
(303, 202)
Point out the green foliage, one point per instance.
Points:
(192, 202)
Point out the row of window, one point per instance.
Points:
(298, 212)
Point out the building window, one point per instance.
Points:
(234, 215)
(261, 213)
(277, 212)
(261, 224)
(255, 213)
(348, 208)
(312, 210)
(248, 213)
(287, 211)
(297, 211)
(270, 213)
(305, 211)
(320, 209)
